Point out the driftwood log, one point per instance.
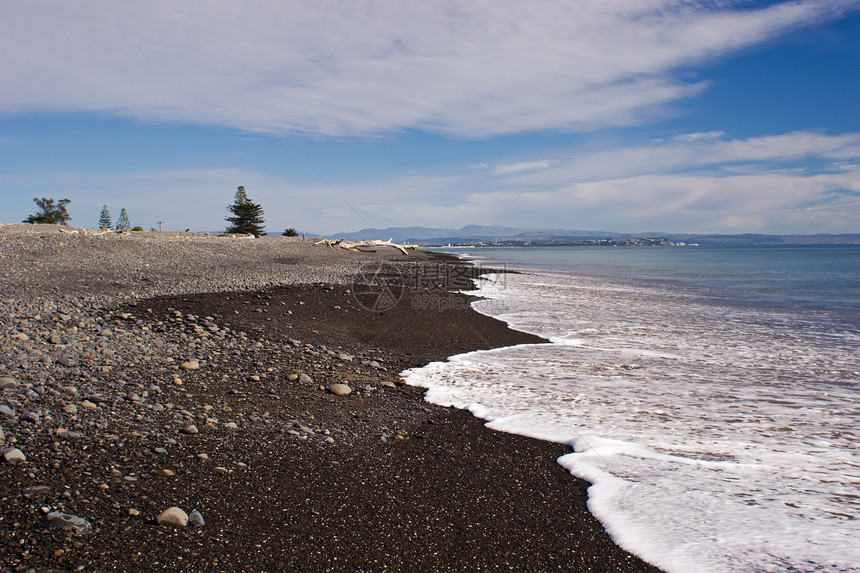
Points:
(358, 245)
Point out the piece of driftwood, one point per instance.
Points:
(358, 245)
(91, 232)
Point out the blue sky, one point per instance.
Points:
(722, 116)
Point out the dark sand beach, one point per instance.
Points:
(287, 475)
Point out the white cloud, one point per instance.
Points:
(700, 136)
(521, 166)
(795, 182)
(473, 68)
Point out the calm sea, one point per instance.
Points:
(708, 394)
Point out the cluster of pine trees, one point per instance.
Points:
(122, 224)
(247, 216)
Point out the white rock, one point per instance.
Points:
(190, 365)
(172, 516)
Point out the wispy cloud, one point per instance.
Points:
(333, 68)
(793, 182)
(519, 167)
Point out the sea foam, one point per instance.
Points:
(716, 437)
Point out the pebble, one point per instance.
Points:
(7, 411)
(14, 455)
(305, 379)
(339, 389)
(2, 437)
(8, 383)
(70, 409)
(195, 518)
(88, 405)
(190, 429)
(293, 377)
(172, 516)
(68, 435)
(190, 365)
(73, 523)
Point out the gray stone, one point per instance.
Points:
(37, 490)
(6, 411)
(172, 516)
(66, 361)
(8, 383)
(73, 523)
(196, 519)
(190, 429)
(68, 435)
(2, 437)
(305, 379)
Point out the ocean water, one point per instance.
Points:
(710, 395)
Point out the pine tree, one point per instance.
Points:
(122, 223)
(247, 216)
(50, 213)
(104, 219)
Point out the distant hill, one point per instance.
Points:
(473, 234)
(469, 233)
(756, 239)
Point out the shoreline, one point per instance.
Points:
(375, 480)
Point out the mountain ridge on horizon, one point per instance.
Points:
(432, 236)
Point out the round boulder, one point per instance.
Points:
(339, 389)
(172, 516)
